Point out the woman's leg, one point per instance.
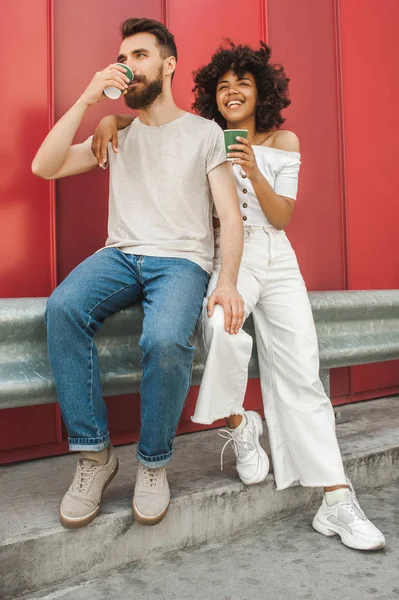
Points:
(225, 376)
(224, 383)
(299, 415)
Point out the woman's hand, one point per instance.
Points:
(105, 132)
(246, 158)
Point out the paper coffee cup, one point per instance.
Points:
(113, 92)
(230, 137)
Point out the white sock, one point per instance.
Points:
(340, 495)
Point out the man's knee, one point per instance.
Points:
(60, 305)
(167, 346)
(54, 307)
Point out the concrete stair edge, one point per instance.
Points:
(55, 555)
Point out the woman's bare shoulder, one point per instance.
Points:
(285, 140)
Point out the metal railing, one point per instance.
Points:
(353, 328)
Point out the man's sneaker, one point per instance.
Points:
(151, 495)
(81, 503)
(347, 519)
(252, 461)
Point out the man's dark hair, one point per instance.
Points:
(165, 39)
(271, 83)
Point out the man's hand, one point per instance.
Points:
(106, 131)
(113, 75)
(227, 296)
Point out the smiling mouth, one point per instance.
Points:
(234, 104)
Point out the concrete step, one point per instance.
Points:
(254, 564)
(35, 551)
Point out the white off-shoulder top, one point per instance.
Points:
(280, 168)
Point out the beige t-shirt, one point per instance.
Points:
(160, 202)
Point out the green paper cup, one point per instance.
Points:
(230, 137)
(113, 92)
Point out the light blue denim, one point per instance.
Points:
(171, 291)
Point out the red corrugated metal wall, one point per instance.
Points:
(339, 54)
(370, 50)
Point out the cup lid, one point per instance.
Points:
(129, 72)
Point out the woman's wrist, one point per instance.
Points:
(109, 120)
(256, 176)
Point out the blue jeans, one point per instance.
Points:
(171, 291)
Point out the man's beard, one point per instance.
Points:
(143, 98)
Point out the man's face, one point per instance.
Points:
(141, 53)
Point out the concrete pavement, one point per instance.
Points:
(284, 560)
(35, 550)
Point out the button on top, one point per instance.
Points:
(244, 218)
(244, 191)
(245, 205)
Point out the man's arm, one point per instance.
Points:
(224, 192)
(56, 156)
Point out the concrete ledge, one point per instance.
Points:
(353, 327)
(35, 551)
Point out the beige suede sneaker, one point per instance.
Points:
(81, 503)
(151, 495)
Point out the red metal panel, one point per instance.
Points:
(26, 235)
(370, 47)
(370, 50)
(82, 202)
(201, 26)
(25, 200)
(28, 426)
(87, 39)
(303, 38)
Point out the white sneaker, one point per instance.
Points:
(252, 461)
(347, 519)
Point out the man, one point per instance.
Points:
(159, 251)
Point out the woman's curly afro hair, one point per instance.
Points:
(271, 83)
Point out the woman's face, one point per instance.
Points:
(236, 97)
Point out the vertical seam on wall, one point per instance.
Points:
(51, 117)
(53, 224)
(342, 154)
(264, 33)
(164, 12)
(341, 138)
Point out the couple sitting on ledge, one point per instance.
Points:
(194, 234)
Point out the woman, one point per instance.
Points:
(241, 89)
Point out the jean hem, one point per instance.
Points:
(89, 444)
(154, 462)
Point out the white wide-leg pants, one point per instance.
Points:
(299, 415)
